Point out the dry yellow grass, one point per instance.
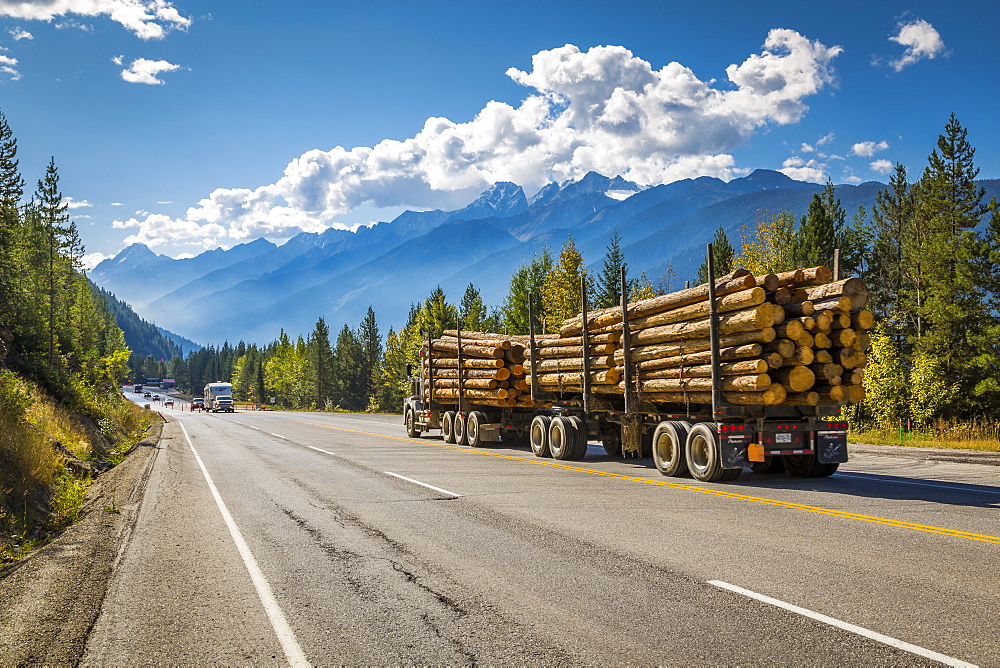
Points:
(977, 435)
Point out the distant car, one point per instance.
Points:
(198, 403)
(168, 402)
(147, 395)
(156, 397)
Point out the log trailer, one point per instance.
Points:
(710, 442)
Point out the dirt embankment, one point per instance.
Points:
(50, 600)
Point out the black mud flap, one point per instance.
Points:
(831, 447)
(734, 451)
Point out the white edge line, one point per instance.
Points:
(325, 452)
(914, 483)
(871, 635)
(277, 435)
(422, 484)
(293, 652)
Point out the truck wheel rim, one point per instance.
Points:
(699, 453)
(666, 449)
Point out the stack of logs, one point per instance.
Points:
(492, 371)
(793, 338)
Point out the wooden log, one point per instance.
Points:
(704, 357)
(781, 296)
(606, 377)
(824, 321)
(451, 346)
(799, 309)
(855, 394)
(814, 276)
(516, 369)
(856, 377)
(827, 372)
(755, 318)
(779, 314)
(805, 340)
(486, 343)
(790, 329)
(840, 321)
(821, 340)
(785, 347)
(750, 383)
(735, 281)
(501, 373)
(520, 338)
(769, 282)
(823, 357)
(657, 351)
(862, 319)
(790, 278)
(574, 351)
(809, 323)
(802, 357)
(452, 393)
(862, 341)
(736, 301)
(774, 360)
(801, 399)
(600, 337)
(572, 364)
(852, 287)
(830, 394)
(741, 368)
(838, 305)
(795, 378)
(843, 338)
(471, 363)
(470, 384)
(770, 397)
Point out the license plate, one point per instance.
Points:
(782, 438)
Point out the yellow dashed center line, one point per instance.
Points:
(688, 488)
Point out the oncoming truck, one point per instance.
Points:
(744, 371)
(218, 398)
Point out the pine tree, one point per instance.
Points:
(370, 342)
(472, 311)
(320, 365)
(891, 216)
(722, 257)
(526, 288)
(819, 230)
(607, 291)
(436, 314)
(348, 383)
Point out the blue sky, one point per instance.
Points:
(189, 125)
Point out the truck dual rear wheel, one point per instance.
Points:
(538, 436)
(611, 438)
(459, 427)
(472, 433)
(807, 466)
(704, 457)
(562, 438)
(411, 425)
(580, 440)
(668, 448)
(448, 426)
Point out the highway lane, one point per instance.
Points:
(507, 558)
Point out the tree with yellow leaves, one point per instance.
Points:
(767, 247)
(561, 290)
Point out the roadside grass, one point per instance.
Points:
(979, 435)
(39, 493)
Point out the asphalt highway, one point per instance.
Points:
(319, 538)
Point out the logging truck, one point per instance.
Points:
(741, 372)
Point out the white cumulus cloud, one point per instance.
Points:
(881, 166)
(75, 204)
(921, 41)
(148, 19)
(603, 109)
(91, 260)
(18, 34)
(8, 65)
(146, 71)
(867, 149)
(804, 170)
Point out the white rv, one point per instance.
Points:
(218, 398)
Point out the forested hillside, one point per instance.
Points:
(62, 357)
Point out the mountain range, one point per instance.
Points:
(255, 289)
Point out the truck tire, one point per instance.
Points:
(562, 438)
(771, 464)
(411, 425)
(611, 438)
(580, 442)
(472, 435)
(669, 438)
(702, 453)
(538, 436)
(806, 466)
(460, 429)
(448, 426)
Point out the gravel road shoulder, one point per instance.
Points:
(50, 600)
